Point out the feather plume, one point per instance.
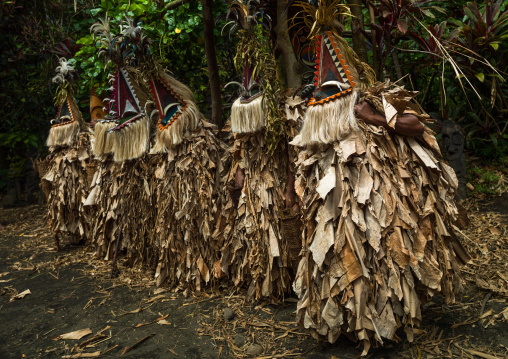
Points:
(64, 72)
(244, 14)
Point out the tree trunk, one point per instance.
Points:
(211, 60)
(376, 58)
(293, 78)
(357, 27)
(398, 68)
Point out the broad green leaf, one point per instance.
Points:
(428, 13)
(469, 14)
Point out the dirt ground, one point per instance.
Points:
(128, 316)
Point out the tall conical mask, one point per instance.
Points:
(127, 106)
(126, 129)
(177, 110)
(333, 78)
(330, 114)
(65, 127)
(131, 134)
(248, 113)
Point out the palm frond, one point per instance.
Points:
(321, 18)
(245, 14)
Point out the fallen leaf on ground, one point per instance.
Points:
(478, 353)
(82, 355)
(137, 310)
(486, 314)
(99, 337)
(163, 322)
(20, 295)
(494, 230)
(172, 351)
(78, 334)
(154, 321)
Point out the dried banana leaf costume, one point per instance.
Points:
(255, 254)
(69, 145)
(121, 193)
(378, 208)
(187, 166)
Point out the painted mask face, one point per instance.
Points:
(130, 136)
(332, 77)
(126, 108)
(66, 126)
(169, 103)
(65, 114)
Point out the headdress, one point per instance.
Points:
(175, 104)
(103, 143)
(66, 125)
(176, 108)
(330, 114)
(258, 106)
(126, 129)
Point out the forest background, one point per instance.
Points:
(453, 52)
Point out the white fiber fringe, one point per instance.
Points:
(102, 144)
(332, 121)
(64, 135)
(248, 117)
(131, 141)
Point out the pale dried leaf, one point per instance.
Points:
(78, 334)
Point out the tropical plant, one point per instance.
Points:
(475, 44)
(35, 34)
(393, 18)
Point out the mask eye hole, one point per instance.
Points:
(331, 88)
(129, 113)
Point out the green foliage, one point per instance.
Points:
(25, 73)
(35, 33)
(455, 58)
(479, 36)
(177, 35)
(487, 180)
